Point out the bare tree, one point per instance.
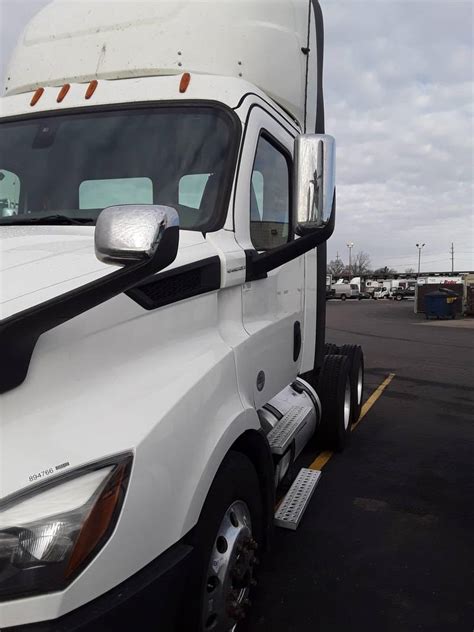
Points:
(336, 267)
(410, 271)
(360, 264)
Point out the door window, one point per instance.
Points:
(270, 196)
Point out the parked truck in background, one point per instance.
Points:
(162, 327)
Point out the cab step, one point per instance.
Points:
(286, 429)
(291, 510)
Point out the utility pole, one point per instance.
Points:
(420, 248)
(452, 257)
(350, 245)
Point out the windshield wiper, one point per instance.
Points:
(51, 220)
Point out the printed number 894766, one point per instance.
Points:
(36, 477)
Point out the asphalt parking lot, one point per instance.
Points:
(387, 541)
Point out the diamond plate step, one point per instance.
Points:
(291, 510)
(287, 428)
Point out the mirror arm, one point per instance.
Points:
(260, 264)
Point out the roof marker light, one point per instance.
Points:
(185, 81)
(64, 90)
(37, 96)
(92, 88)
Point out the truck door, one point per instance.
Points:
(272, 307)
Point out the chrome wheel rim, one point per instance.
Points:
(230, 571)
(360, 384)
(347, 405)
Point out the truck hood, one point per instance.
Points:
(38, 263)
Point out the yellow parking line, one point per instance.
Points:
(372, 399)
(321, 461)
(324, 457)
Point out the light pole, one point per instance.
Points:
(420, 248)
(350, 245)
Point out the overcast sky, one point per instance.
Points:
(399, 100)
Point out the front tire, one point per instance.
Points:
(226, 543)
(334, 390)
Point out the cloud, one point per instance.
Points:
(399, 99)
(14, 15)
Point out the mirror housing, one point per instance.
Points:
(315, 181)
(137, 233)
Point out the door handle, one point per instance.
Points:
(296, 341)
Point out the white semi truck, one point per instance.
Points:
(162, 333)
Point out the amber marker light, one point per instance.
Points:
(62, 94)
(91, 88)
(99, 520)
(37, 96)
(185, 81)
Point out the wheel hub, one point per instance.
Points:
(347, 405)
(230, 571)
(360, 381)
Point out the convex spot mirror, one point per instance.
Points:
(315, 181)
(137, 233)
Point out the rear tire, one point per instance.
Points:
(343, 297)
(334, 390)
(355, 356)
(330, 349)
(228, 537)
(399, 297)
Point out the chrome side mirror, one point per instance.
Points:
(315, 181)
(130, 234)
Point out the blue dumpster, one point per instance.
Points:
(440, 304)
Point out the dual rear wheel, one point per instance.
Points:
(340, 387)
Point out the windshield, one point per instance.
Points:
(72, 166)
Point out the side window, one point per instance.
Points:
(9, 193)
(94, 194)
(191, 189)
(270, 197)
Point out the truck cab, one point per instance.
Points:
(381, 292)
(162, 304)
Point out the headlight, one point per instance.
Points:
(49, 533)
